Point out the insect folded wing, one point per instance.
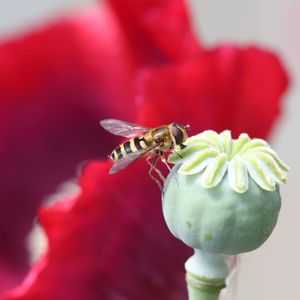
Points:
(125, 161)
(122, 128)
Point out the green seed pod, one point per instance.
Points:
(219, 220)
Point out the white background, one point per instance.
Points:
(271, 272)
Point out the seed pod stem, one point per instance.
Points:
(205, 275)
(200, 293)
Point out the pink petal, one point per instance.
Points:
(226, 88)
(157, 26)
(55, 86)
(111, 243)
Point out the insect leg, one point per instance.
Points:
(161, 176)
(163, 159)
(177, 153)
(152, 167)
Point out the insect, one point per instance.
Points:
(151, 143)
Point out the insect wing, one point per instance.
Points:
(125, 161)
(122, 128)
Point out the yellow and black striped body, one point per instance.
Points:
(131, 146)
(160, 138)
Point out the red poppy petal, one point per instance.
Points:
(160, 26)
(9, 276)
(110, 243)
(226, 88)
(55, 86)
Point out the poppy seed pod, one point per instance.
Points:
(218, 219)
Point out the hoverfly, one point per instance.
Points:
(144, 142)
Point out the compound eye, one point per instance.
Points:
(175, 129)
(178, 134)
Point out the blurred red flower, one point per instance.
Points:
(55, 86)
(134, 60)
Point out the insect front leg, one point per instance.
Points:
(163, 159)
(177, 153)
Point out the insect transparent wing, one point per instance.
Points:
(125, 161)
(122, 128)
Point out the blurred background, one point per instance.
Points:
(271, 272)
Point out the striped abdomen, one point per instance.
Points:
(131, 146)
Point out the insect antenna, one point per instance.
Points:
(187, 127)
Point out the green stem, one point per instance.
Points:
(203, 289)
(205, 276)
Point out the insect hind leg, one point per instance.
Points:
(153, 168)
(157, 155)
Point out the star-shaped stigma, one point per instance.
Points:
(214, 156)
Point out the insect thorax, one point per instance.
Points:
(160, 134)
